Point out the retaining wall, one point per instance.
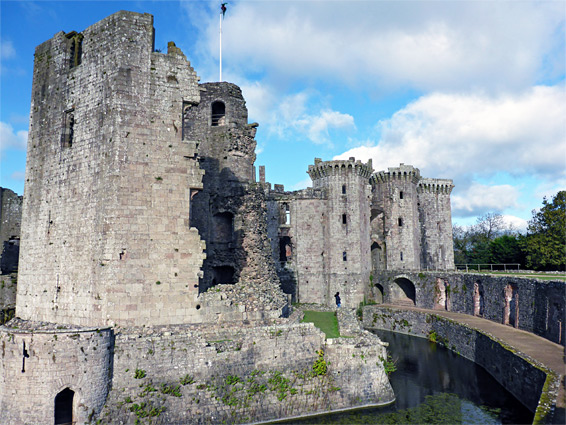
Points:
(529, 381)
(240, 374)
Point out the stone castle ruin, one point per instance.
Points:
(149, 252)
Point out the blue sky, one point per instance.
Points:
(468, 90)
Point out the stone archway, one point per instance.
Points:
(379, 293)
(403, 292)
(64, 414)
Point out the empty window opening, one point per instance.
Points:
(344, 219)
(223, 275)
(344, 256)
(223, 227)
(401, 195)
(218, 117)
(400, 222)
(64, 407)
(187, 124)
(285, 249)
(401, 256)
(287, 214)
(76, 49)
(68, 128)
(343, 189)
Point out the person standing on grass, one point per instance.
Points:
(337, 296)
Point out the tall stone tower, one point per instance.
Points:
(395, 218)
(346, 232)
(411, 226)
(436, 218)
(106, 237)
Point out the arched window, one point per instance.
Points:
(218, 116)
(64, 407)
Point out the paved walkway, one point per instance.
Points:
(546, 352)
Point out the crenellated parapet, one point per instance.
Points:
(444, 186)
(406, 173)
(322, 169)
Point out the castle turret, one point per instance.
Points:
(395, 218)
(436, 223)
(346, 254)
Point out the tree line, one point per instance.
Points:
(491, 241)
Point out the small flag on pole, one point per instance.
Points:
(223, 8)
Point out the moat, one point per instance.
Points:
(435, 385)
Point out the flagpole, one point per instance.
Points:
(220, 47)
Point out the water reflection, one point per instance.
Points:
(425, 368)
(435, 385)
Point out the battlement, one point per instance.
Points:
(401, 173)
(435, 186)
(322, 169)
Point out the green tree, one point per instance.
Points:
(506, 249)
(545, 243)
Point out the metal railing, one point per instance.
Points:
(491, 267)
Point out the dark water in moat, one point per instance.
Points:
(435, 385)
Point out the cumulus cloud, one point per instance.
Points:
(10, 139)
(478, 198)
(303, 113)
(515, 223)
(429, 45)
(447, 135)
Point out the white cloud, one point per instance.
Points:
(7, 50)
(515, 223)
(317, 126)
(18, 175)
(303, 113)
(479, 198)
(428, 45)
(303, 184)
(11, 140)
(447, 135)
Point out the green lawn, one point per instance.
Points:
(326, 321)
(543, 276)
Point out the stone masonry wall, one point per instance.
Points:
(501, 361)
(541, 305)
(8, 288)
(41, 362)
(238, 374)
(105, 235)
(10, 223)
(435, 217)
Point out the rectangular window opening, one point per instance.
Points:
(344, 219)
(344, 256)
(68, 128)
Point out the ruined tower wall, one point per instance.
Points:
(10, 223)
(436, 224)
(395, 193)
(105, 226)
(80, 360)
(10, 214)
